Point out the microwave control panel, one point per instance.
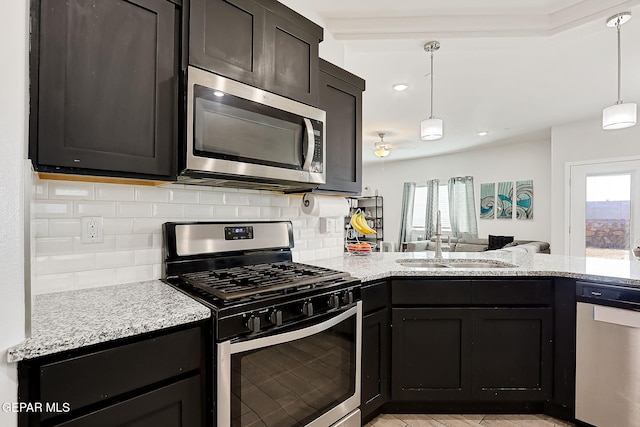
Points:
(318, 151)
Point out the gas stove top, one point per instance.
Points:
(261, 279)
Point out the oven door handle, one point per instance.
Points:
(310, 145)
(258, 343)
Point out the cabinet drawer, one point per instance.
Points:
(98, 376)
(512, 292)
(375, 296)
(431, 292)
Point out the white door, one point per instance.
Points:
(603, 218)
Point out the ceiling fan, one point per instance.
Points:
(383, 149)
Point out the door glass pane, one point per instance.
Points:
(293, 383)
(608, 216)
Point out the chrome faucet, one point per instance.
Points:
(438, 237)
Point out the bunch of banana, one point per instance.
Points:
(360, 224)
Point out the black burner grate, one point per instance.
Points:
(249, 280)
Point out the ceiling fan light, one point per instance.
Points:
(619, 116)
(431, 129)
(382, 152)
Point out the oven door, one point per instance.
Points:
(238, 131)
(305, 377)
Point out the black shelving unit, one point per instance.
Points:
(372, 207)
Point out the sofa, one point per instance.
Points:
(455, 244)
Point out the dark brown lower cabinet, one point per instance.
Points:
(156, 380)
(376, 338)
(471, 354)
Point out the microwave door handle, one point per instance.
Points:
(310, 145)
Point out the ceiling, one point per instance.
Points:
(512, 68)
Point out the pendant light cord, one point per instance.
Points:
(619, 63)
(431, 116)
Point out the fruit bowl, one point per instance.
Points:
(360, 248)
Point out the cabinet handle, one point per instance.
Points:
(596, 294)
(311, 145)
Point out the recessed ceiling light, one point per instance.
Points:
(483, 133)
(400, 87)
(218, 93)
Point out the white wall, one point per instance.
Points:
(577, 142)
(13, 90)
(509, 162)
(133, 216)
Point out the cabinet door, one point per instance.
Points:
(291, 60)
(227, 37)
(343, 104)
(512, 354)
(107, 86)
(431, 354)
(376, 347)
(176, 405)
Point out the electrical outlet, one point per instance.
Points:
(91, 229)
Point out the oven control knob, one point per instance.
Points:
(307, 308)
(334, 301)
(253, 323)
(347, 297)
(276, 317)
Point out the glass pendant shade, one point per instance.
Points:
(431, 129)
(619, 116)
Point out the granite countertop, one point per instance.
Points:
(380, 265)
(68, 320)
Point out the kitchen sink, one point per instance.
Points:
(452, 263)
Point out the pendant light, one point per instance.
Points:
(619, 115)
(431, 128)
(382, 149)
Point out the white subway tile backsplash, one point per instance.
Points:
(133, 217)
(108, 244)
(236, 199)
(88, 208)
(64, 227)
(134, 274)
(225, 212)
(117, 226)
(54, 245)
(148, 225)
(71, 190)
(72, 262)
(183, 196)
(53, 209)
(134, 241)
(134, 210)
(148, 256)
(115, 259)
(151, 194)
(249, 212)
(211, 198)
(115, 192)
(167, 210)
(198, 211)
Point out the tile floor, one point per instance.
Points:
(453, 420)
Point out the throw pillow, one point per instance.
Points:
(498, 242)
(508, 245)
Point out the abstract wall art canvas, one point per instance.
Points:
(504, 202)
(487, 201)
(524, 199)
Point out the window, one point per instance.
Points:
(420, 208)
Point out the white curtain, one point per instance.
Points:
(406, 212)
(432, 208)
(462, 208)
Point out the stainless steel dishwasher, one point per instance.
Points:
(608, 355)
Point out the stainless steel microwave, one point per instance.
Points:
(241, 136)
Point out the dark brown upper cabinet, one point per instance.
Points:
(104, 82)
(259, 42)
(341, 98)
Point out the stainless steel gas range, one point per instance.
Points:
(287, 335)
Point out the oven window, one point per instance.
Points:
(231, 128)
(293, 383)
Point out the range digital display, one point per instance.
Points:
(238, 233)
